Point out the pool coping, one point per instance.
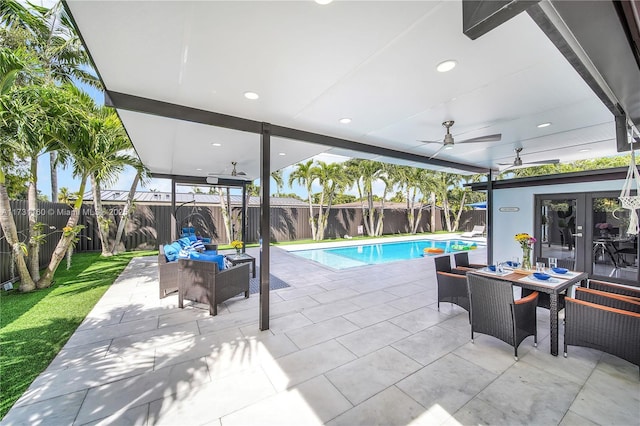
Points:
(350, 243)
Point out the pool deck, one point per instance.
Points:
(365, 345)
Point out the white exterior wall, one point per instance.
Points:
(507, 224)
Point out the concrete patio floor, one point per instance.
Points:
(360, 346)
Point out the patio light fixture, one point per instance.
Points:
(447, 65)
(251, 95)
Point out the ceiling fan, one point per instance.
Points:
(234, 175)
(517, 162)
(448, 141)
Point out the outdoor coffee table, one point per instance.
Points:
(237, 259)
(553, 288)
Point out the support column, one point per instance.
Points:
(265, 223)
(243, 225)
(174, 226)
(490, 218)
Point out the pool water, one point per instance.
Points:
(373, 254)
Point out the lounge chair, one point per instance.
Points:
(477, 230)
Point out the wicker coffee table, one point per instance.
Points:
(236, 259)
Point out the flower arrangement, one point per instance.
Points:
(603, 225)
(236, 244)
(525, 240)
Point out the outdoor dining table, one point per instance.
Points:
(553, 287)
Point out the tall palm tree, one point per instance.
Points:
(331, 179)
(304, 175)
(53, 40)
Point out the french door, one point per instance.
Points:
(588, 231)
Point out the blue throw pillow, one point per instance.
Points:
(197, 246)
(170, 253)
(208, 258)
(193, 238)
(184, 242)
(184, 254)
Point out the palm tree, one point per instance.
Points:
(53, 40)
(332, 179)
(362, 174)
(304, 175)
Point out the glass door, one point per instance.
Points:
(587, 232)
(559, 226)
(614, 253)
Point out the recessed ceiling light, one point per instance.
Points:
(323, 2)
(345, 120)
(216, 144)
(447, 65)
(199, 169)
(282, 153)
(251, 95)
(540, 126)
(585, 150)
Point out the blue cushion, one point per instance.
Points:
(206, 240)
(184, 242)
(208, 258)
(210, 252)
(193, 238)
(170, 253)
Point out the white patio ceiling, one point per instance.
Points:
(374, 62)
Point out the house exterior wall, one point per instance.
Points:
(507, 224)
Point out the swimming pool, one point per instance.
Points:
(373, 254)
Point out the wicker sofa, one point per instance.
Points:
(600, 327)
(202, 282)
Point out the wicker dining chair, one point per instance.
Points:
(452, 288)
(443, 264)
(611, 330)
(611, 300)
(462, 260)
(614, 288)
(496, 313)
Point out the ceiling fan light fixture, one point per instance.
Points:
(543, 125)
(251, 95)
(448, 146)
(447, 65)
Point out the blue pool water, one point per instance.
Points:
(372, 254)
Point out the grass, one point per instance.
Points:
(35, 326)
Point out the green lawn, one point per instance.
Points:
(35, 326)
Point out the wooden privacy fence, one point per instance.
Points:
(150, 225)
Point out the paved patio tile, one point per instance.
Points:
(324, 312)
(373, 298)
(321, 332)
(413, 302)
(286, 323)
(452, 381)
(370, 339)
(429, 345)
(372, 315)
(135, 416)
(85, 337)
(61, 410)
(364, 377)
(175, 382)
(313, 402)
(154, 338)
(389, 407)
(419, 319)
(209, 402)
(305, 364)
(331, 296)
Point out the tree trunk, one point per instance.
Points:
(456, 223)
(447, 213)
(312, 222)
(226, 218)
(65, 241)
(432, 199)
(101, 217)
(54, 176)
(11, 234)
(34, 228)
(124, 215)
(419, 217)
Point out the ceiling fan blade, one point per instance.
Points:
(554, 161)
(487, 138)
(437, 152)
(419, 140)
(505, 164)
